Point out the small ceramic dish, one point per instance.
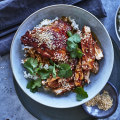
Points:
(94, 111)
(82, 17)
(117, 22)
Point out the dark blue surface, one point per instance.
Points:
(13, 12)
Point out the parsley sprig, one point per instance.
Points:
(72, 45)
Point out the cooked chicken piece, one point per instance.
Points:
(53, 82)
(66, 87)
(78, 74)
(59, 91)
(87, 45)
(98, 52)
(95, 68)
(87, 76)
(60, 55)
(50, 40)
(72, 63)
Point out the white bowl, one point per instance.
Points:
(82, 17)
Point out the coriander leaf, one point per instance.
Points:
(65, 71)
(37, 83)
(76, 53)
(71, 46)
(81, 94)
(30, 69)
(51, 62)
(34, 90)
(30, 64)
(64, 66)
(57, 66)
(44, 74)
(61, 73)
(73, 54)
(33, 85)
(74, 38)
(34, 63)
(52, 70)
(29, 86)
(30, 83)
(40, 65)
(79, 53)
(37, 69)
(69, 33)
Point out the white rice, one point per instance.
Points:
(46, 22)
(74, 24)
(23, 47)
(22, 61)
(28, 75)
(46, 66)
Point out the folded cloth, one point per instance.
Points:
(13, 12)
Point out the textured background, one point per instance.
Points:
(10, 106)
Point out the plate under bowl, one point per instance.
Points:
(82, 17)
(97, 113)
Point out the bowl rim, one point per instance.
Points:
(116, 15)
(65, 5)
(116, 106)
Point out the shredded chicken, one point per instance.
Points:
(98, 52)
(95, 67)
(78, 74)
(86, 76)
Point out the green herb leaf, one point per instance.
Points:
(51, 62)
(74, 38)
(65, 71)
(71, 46)
(30, 83)
(79, 53)
(44, 73)
(73, 54)
(69, 33)
(33, 85)
(37, 83)
(52, 70)
(81, 94)
(30, 64)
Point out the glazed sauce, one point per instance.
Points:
(96, 39)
